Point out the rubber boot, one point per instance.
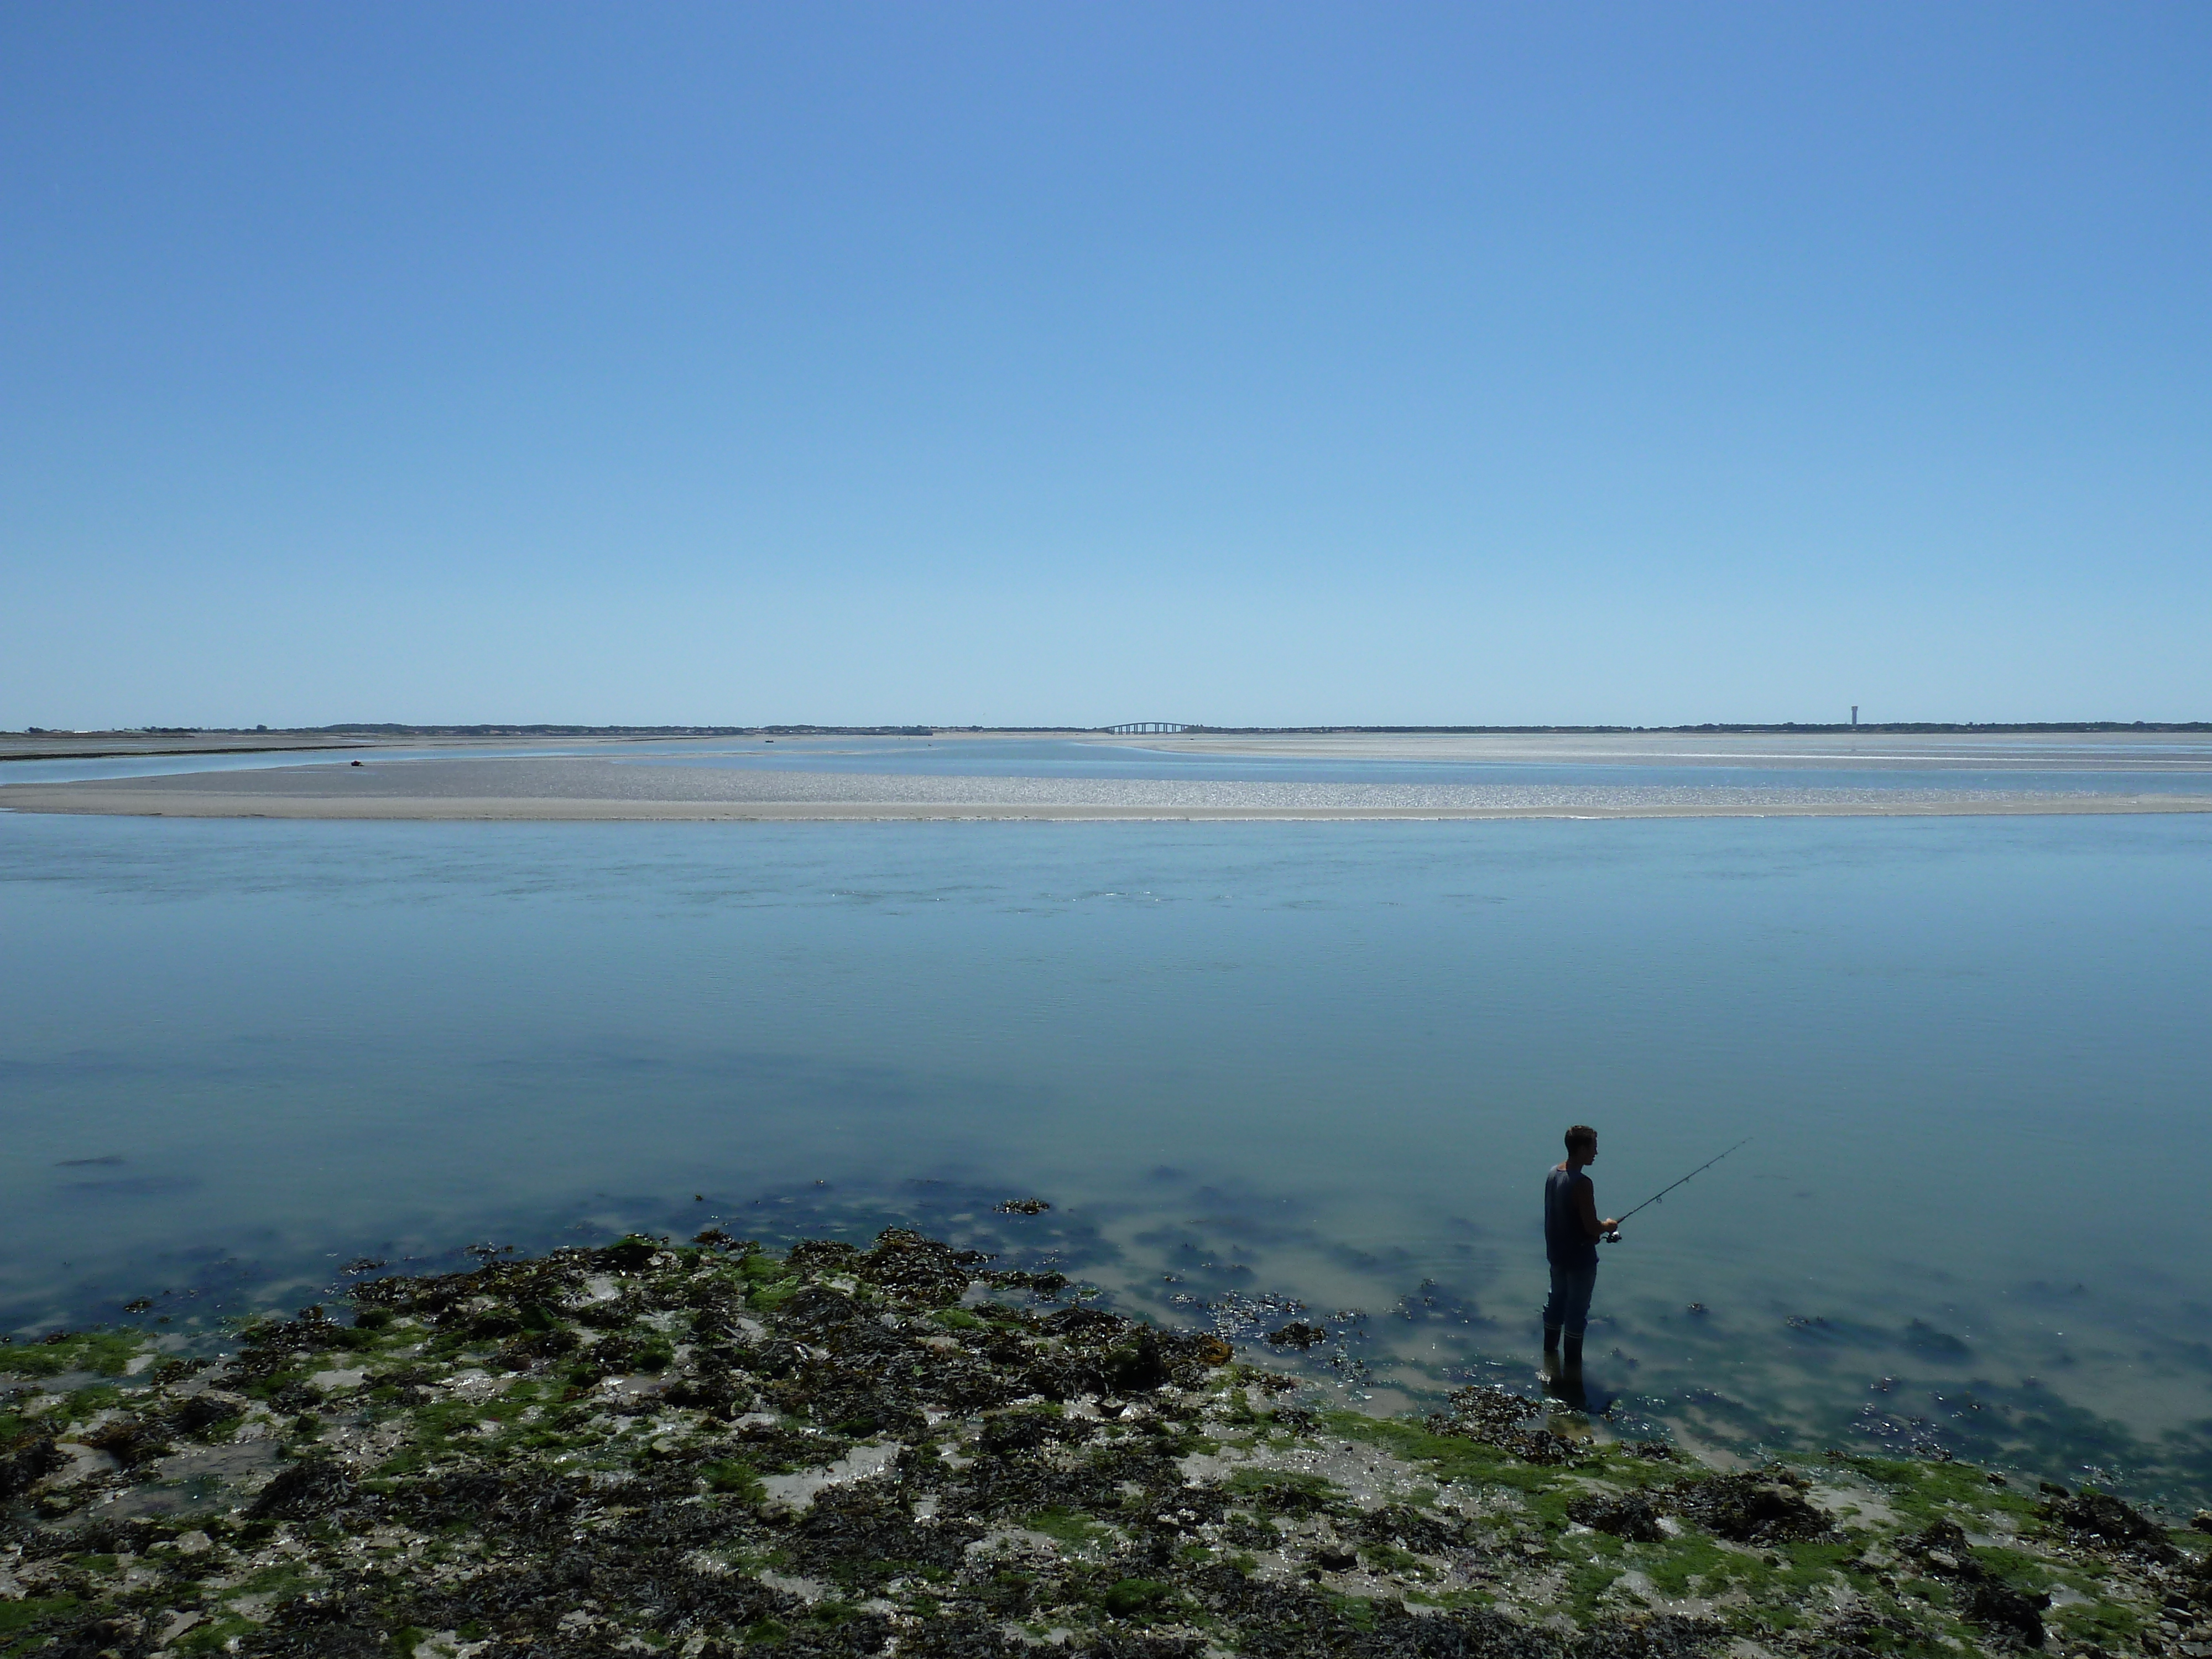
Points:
(1574, 1361)
(1551, 1339)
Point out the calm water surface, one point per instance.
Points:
(1251, 1065)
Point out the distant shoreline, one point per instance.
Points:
(35, 744)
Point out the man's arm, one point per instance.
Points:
(1586, 1201)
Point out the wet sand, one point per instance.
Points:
(592, 788)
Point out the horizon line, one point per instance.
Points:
(542, 728)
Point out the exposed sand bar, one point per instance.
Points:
(591, 789)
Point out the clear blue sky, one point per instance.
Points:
(1242, 363)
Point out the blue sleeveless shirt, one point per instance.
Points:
(1565, 1241)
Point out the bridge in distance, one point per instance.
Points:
(1131, 728)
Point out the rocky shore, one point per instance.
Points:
(706, 1448)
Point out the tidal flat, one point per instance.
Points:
(708, 1447)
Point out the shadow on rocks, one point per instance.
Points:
(1981, 1597)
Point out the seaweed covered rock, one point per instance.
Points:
(129, 1441)
(1657, 1636)
(1006, 1433)
(2099, 1518)
(201, 1413)
(1400, 1526)
(1983, 1597)
(1625, 1515)
(918, 1272)
(27, 1460)
(1766, 1507)
(1999, 1606)
(306, 1491)
(1497, 1417)
(523, 1506)
(710, 1449)
(865, 1534)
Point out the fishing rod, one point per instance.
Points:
(1613, 1237)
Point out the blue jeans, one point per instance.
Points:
(1569, 1306)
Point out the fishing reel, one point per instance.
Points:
(1613, 1238)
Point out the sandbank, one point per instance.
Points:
(592, 789)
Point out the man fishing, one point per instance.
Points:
(1571, 1230)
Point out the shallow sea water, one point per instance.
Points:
(1880, 764)
(1259, 1070)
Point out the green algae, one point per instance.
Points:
(1071, 1528)
(108, 1352)
(16, 1615)
(1135, 1598)
(734, 1477)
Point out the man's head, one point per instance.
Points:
(1582, 1143)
